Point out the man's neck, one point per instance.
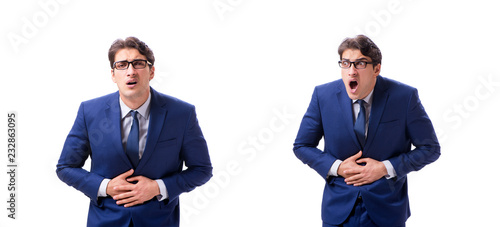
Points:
(134, 103)
(368, 98)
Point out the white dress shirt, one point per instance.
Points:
(126, 124)
(142, 116)
(355, 109)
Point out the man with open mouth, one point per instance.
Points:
(369, 124)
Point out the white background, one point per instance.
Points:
(250, 68)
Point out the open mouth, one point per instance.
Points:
(353, 85)
(131, 83)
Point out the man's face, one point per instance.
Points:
(359, 82)
(133, 84)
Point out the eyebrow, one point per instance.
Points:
(359, 59)
(132, 60)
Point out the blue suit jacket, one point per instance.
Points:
(174, 138)
(397, 120)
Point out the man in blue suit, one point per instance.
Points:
(369, 124)
(138, 140)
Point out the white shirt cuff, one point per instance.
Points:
(391, 172)
(163, 191)
(102, 188)
(334, 168)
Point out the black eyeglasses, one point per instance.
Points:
(345, 64)
(136, 63)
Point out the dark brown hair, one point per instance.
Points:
(365, 45)
(130, 42)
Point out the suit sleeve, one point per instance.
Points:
(194, 152)
(421, 132)
(308, 137)
(75, 152)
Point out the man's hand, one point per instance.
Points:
(349, 164)
(138, 193)
(118, 181)
(358, 175)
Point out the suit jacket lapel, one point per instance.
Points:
(345, 105)
(113, 117)
(380, 96)
(157, 115)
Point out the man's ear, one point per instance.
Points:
(152, 72)
(376, 69)
(113, 75)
